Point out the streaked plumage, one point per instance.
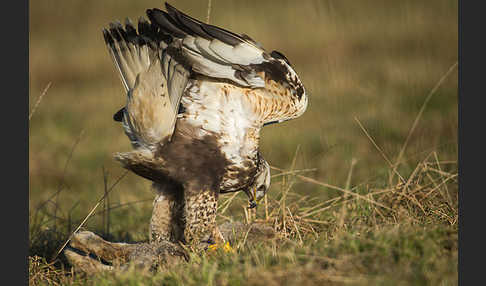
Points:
(198, 96)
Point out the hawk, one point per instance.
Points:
(197, 97)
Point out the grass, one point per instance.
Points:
(375, 74)
(405, 234)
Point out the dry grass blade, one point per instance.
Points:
(241, 244)
(70, 157)
(348, 180)
(209, 12)
(42, 273)
(406, 186)
(313, 181)
(419, 115)
(106, 203)
(287, 187)
(113, 207)
(440, 172)
(348, 183)
(39, 100)
(89, 214)
(266, 207)
(449, 200)
(299, 201)
(315, 221)
(378, 148)
(247, 217)
(293, 172)
(61, 182)
(310, 209)
(336, 203)
(228, 202)
(295, 226)
(441, 184)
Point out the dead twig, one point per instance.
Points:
(39, 100)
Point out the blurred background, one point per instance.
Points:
(374, 60)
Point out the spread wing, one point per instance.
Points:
(210, 50)
(156, 62)
(216, 53)
(154, 82)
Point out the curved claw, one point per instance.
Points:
(251, 198)
(226, 247)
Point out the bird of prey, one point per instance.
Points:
(197, 97)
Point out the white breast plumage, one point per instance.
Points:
(220, 108)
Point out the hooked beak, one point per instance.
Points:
(253, 197)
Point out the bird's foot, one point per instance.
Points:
(226, 247)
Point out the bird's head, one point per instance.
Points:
(257, 190)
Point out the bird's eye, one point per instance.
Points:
(279, 55)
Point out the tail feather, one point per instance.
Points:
(143, 164)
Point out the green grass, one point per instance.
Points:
(373, 60)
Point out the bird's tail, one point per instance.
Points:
(143, 163)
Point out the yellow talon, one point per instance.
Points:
(226, 247)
